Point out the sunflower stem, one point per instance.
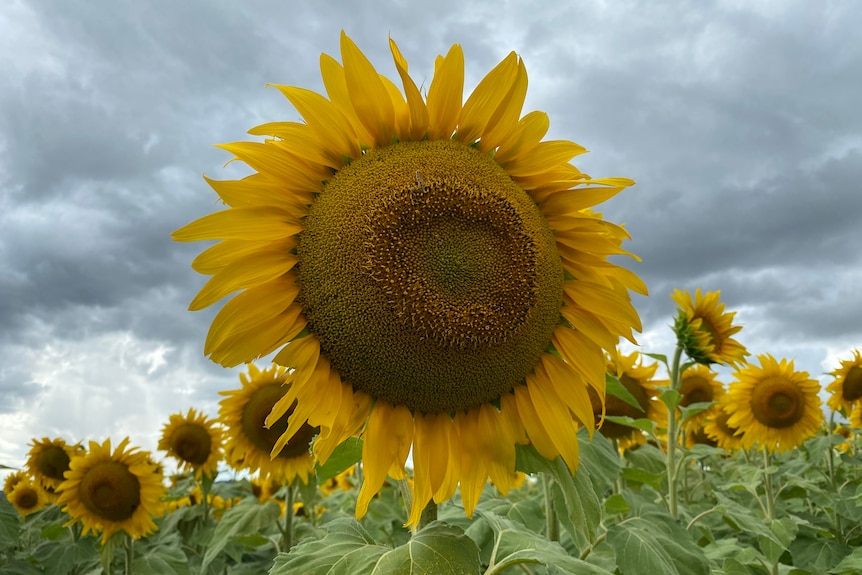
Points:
(672, 439)
(429, 514)
(767, 486)
(287, 532)
(552, 525)
(128, 544)
(830, 460)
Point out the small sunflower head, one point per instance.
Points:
(111, 491)
(699, 385)
(636, 378)
(774, 405)
(194, 441)
(13, 479)
(846, 390)
(27, 496)
(716, 427)
(704, 330)
(49, 460)
(250, 442)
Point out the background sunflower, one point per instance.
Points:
(194, 440)
(845, 391)
(774, 405)
(113, 491)
(249, 442)
(637, 378)
(49, 459)
(417, 257)
(699, 385)
(704, 329)
(27, 496)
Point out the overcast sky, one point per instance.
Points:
(739, 120)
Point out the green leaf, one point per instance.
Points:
(438, 549)
(61, 557)
(657, 356)
(18, 567)
(653, 545)
(346, 454)
(515, 545)
(602, 459)
(618, 390)
(346, 549)
(644, 477)
(642, 424)
(245, 518)
(582, 506)
(694, 409)
(163, 560)
(817, 553)
(616, 504)
(9, 525)
(670, 397)
(850, 565)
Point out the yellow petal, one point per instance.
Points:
(556, 419)
(226, 252)
(253, 270)
(444, 94)
(418, 110)
(248, 345)
(301, 141)
(543, 157)
(325, 119)
(336, 88)
(367, 93)
(301, 355)
(274, 160)
(263, 190)
(240, 224)
(560, 377)
(530, 131)
(486, 98)
(504, 120)
(387, 441)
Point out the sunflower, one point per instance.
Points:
(704, 329)
(716, 427)
(774, 405)
(699, 385)
(696, 434)
(49, 459)
(637, 379)
(846, 391)
(27, 496)
(430, 272)
(340, 482)
(249, 442)
(194, 440)
(13, 479)
(110, 491)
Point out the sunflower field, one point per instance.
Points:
(438, 376)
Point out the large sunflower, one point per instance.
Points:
(774, 405)
(249, 443)
(49, 459)
(194, 440)
(846, 390)
(430, 271)
(110, 491)
(637, 378)
(705, 330)
(699, 385)
(27, 496)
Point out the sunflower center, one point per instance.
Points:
(777, 403)
(431, 279)
(52, 461)
(192, 443)
(27, 499)
(853, 384)
(254, 414)
(110, 491)
(695, 389)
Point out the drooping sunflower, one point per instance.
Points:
(110, 491)
(194, 440)
(27, 496)
(774, 405)
(699, 385)
(249, 443)
(704, 329)
(846, 390)
(49, 459)
(716, 427)
(430, 271)
(637, 378)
